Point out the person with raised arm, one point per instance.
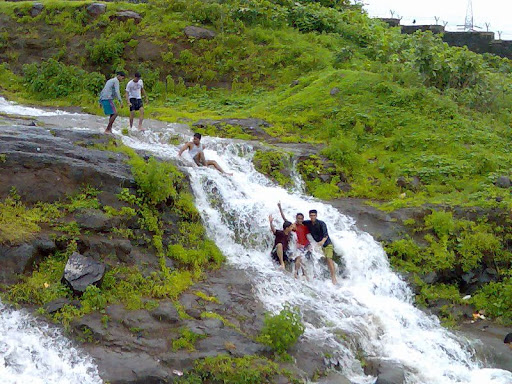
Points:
(303, 245)
(281, 251)
(195, 150)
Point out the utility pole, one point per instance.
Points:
(469, 25)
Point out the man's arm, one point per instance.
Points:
(325, 234)
(187, 145)
(118, 93)
(143, 93)
(127, 97)
(272, 228)
(281, 211)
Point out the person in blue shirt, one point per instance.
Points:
(108, 94)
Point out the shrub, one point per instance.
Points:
(281, 331)
(52, 79)
(242, 370)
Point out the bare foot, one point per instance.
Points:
(334, 281)
(108, 132)
(142, 129)
(282, 268)
(228, 174)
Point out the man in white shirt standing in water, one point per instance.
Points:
(134, 92)
(195, 149)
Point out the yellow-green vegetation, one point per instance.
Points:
(226, 322)
(186, 340)
(19, 223)
(458, 247)
(276, 164)
(160, 186)
(241, 370)
(281, 331)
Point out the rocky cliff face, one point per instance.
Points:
(129, 346)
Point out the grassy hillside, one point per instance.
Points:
(406, 107)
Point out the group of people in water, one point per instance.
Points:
(134, 92)
(282, 251)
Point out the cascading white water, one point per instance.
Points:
(371, 305)
(34, 353)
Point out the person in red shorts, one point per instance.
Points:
(303, 244)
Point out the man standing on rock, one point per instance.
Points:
(134, 92)
(108, 94)
(318, 231)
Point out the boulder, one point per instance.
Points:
(96, 9)
(81, 271)
(166, 313)
(334, 91)
(251, 126)
(387, 371)
(126, 15)
(94, 220)
(56, 305)
(193, 32)
(334, 378)
(503, 182)
(36, 9)
(294, 83)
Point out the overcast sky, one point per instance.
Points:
(496, 12)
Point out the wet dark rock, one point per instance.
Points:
(250, 126)
(59, 168)
(22, 258)
(96, 9)
(36, 9)
(334, 378)
(401, 182)
(193, 32)
(126, 15)
(56, 305)
(166, 312)
(334, 91)
(94, 220)
(387, 372)
(344, 187)
(473, 280)
(430, 278)
(80, 272)
(503, 182)
(294, 83)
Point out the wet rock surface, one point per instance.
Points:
(80, 272)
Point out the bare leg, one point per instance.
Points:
(111, 120)
(279, 251)
(330, 265)
(141, 118)
(132, 113)
(217, 166)
(298, 265)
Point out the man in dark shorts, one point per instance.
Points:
(318, 231)
(134, 92)
(195, 149)
(303, 246)
(280, 251)
(110, 92)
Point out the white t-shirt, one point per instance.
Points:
(134, 88)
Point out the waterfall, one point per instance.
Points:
(370, 310)
(32, 352)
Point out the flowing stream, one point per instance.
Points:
(371, 309)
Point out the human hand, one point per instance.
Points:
(270, 218)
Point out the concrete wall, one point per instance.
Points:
(480, 42)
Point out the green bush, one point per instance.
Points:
(282, 331)
(240, 370)
(51, 79)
